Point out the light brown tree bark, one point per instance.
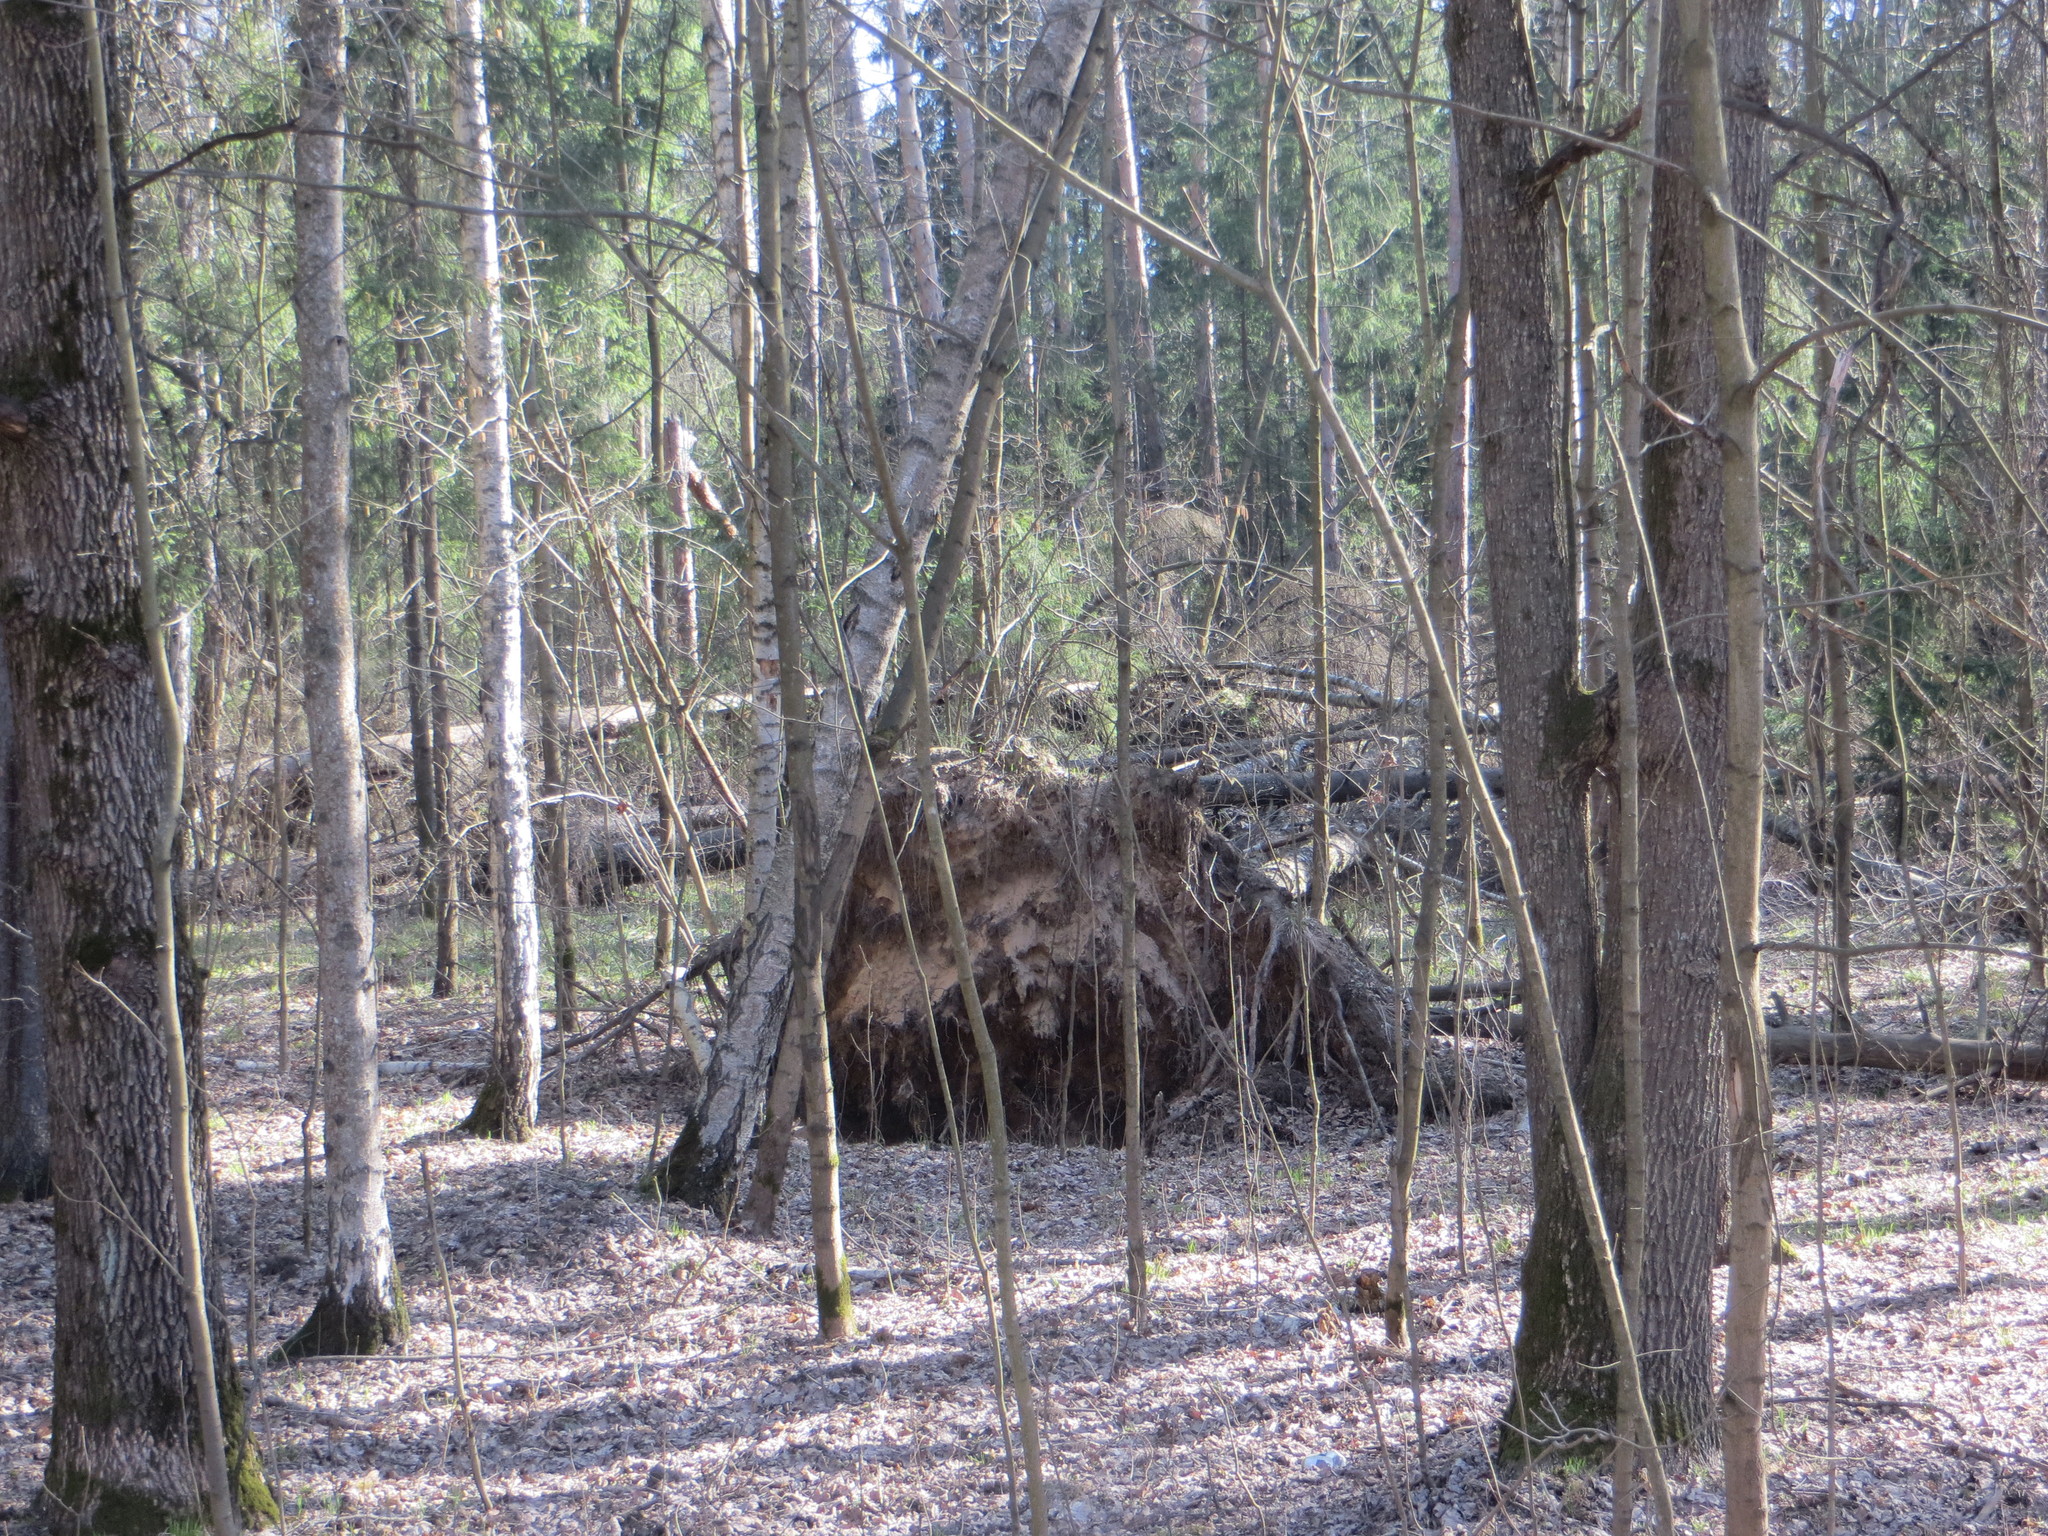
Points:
(358, 1311)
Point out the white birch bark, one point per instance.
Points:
(1137, 277)
(357, 1311)
(510, 1099)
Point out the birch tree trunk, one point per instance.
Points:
(969, 358)
(509, 1101)
(357, 1312)
(94, 770)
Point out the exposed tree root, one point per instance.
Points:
(1226, 963)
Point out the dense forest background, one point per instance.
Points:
(1410, 658)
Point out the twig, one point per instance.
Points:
(476, 1463)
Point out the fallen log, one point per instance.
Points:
(1799, 1046)
(1219, 789)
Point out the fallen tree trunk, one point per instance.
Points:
(1799, 1046)
(1219, 789)
(1228, 966)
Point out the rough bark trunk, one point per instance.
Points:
(358, 1310)
(1682, 921)
(124, 1453)
(1534, 589)
(24, 1073)
(1565, 1339)
(509, 1101)
(969, 359)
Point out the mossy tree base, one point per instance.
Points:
(691, 1174)
(1560, 1425)
(339, 1325)
(496, 1115)
(75, 1503)
(835, 1311)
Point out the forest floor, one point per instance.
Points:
(633, 1369)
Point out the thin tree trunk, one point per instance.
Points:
(918, 669)
(779, 132)
(411, 467)
(917, 192)
(440, 715)
(127, 1383)
(428, 673)
(1122, 145)
(1448, 501)
(1625, 834)
(683, 480)
(1115, 311)
(1751, 1231)
(966, 131)
(357, 1312)
(785, 267)
(1208, 429)
(722, 45)
(509, 1101)
(551, 684)
(860, 150)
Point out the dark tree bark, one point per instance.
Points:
(1564, 1347)
(24, 1075)
(124, 1449)
(1684, 1093)
(1544, 716)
